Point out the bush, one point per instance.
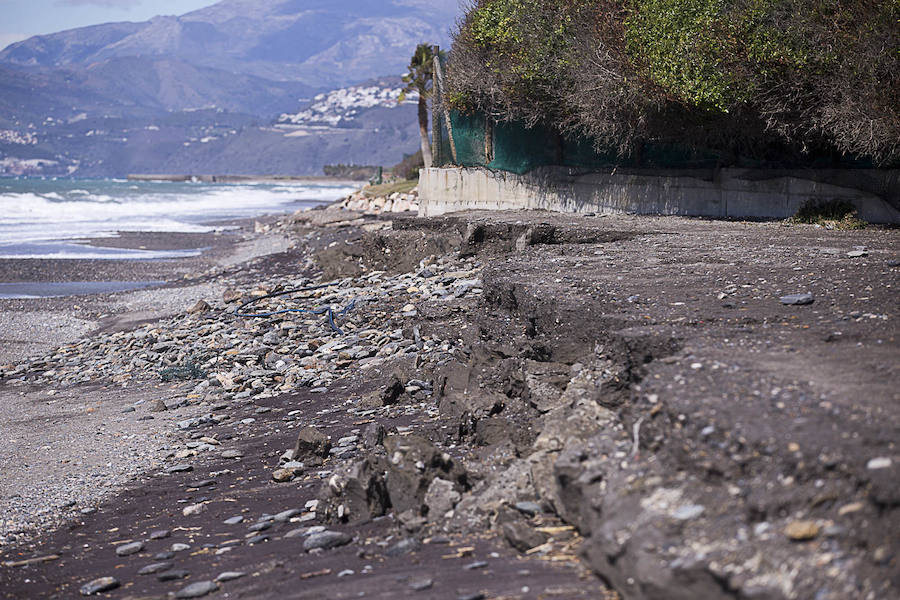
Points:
(408, 168)
(758, 78)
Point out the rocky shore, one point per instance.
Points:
(497, 405)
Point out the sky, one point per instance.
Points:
(20, 19)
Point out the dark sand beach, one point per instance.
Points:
(506, 405)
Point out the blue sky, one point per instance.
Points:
(20, 19)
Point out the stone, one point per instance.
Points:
(797, 299)
(420, 585)
(476, 565)
(392, 391)
(283, 475)
(180, 469)
(857, 253)
(158, 406)
(284, 517)
(180, 547)
(160, 534)
(326, 540)
(522, 536)
(234, 520)
(232, 454)
(194, 509)
(98, 586)
(198, 590)
(312, 446)
(440, 498)
(529, 509)
(373, 435)
(688, 512)
(230, 576)
(173, 575)
(202, 306)
(156, 568)
(879, 463)
(229, 296)
(404, 546)
(129, 549)
(801, 531)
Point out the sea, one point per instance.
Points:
(45, 218)
(55, 218)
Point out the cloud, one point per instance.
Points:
(11, 38)
(109, 3)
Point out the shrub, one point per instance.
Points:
(758, 78)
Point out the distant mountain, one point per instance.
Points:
(122, 97)
(321, 43)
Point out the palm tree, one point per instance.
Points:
(421, 79)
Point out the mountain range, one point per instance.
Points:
(235, 65)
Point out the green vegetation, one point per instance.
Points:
(420, 79)
(770, 80)
(386, 189)
(835, 214)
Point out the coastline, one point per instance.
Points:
(500, 368)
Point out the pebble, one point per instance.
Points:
(801, 531)
(530, 509)
(879, 463)
(180, 547)
(476, 565)
(129, 549)
(156, 568)
(198, 590)
(284, 517)
(230, 576)
(326, 540)
(193, 509)
(173, 575)
(797, 299)
(160, 534)
(420, 585)
(180, 469)
(475, 596)
(688, 512)
(257, 539)
(98, 586)
(232, 454)
(234, 520)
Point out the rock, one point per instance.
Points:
(392, 392)
(198, 590)
(413, 462)
(234, 520)
(173, 575)
(797, 299)
(522, 536)
(529, 509)
(230, 576)
(180, 547)
(688, 512)
(420, 585)
(98, 586)
(229, 296)
(312, 446)
(283, 475)
(373, 435)
(284, 517)
(801, 531)
(326, 540)
(194, 509)
(180, 469)
(156, 568)
(476, 565)
(879, 463)
(232, 454)
(857, 254)
(158, 406)
(201, 307)
(440, 498)
(475, 596)
(160, 534)
(129, 549)
(404, 546)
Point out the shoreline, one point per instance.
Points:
(500, 368)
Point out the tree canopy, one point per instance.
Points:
(745, 77)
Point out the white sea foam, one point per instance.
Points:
(41, 211)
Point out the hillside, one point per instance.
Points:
(96, 101)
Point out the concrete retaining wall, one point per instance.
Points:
(723, 193)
